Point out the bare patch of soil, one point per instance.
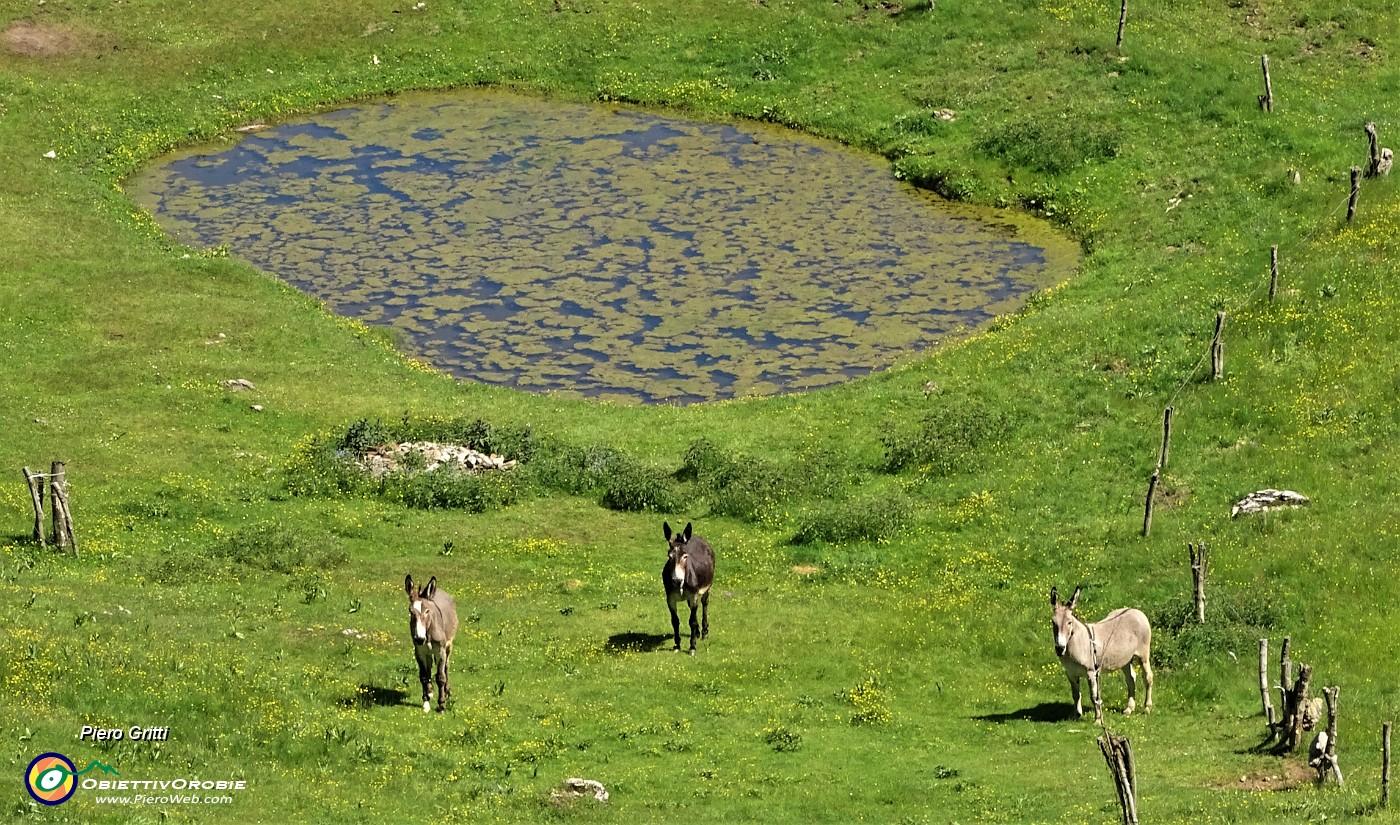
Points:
(26, 38)
(1284, 777)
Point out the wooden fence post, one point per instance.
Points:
(1328, 760)
(1355, 192)
(36, 495)
(1264, 685)
(1385, 765)
(1151, 493)
(1118, 753)
(1166, 438)
(62, 515)
(1373, 168)
(1198, 578)
(1273, 271)
(1294, 707)
(1266, 100)
(1217, 348)
(1122, 21)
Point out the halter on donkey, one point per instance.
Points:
(1121, 638)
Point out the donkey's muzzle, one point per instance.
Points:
(1060, 649)
(420, 640)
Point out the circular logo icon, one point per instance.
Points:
(51, 778)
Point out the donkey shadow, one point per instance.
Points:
(1043, 712)
(637, 642)
(368, 696)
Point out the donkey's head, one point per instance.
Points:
(420, 617)
(1063, 621)
(677, 548)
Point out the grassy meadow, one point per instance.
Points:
(879, 647)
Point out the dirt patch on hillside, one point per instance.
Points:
(1281, 778)
(29, 39)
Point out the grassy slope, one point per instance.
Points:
(107, 364)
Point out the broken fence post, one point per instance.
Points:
(62, 515)
(1373, 167)
(1217, 348)
(1151, 493)
(1355, 192)
(1264, 685)
(1273, 271)
(1166, 438)
(36, 495)
(1118, 753)
(1385, 765)
(1266, 100)
(1122, 21)
(1198, 578)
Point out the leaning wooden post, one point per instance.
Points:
(1217, 348)
(1293, 714)
(1273, 271)
(1266, 100)
(1373, 168)
(1355, 192)
(1264, 684)
(1166, 438)
(62, 516)
(1151, 493)
(36, 495)
(1122, 21)
(1198, 578)
(1118, 753)
(1329, 758)
(1385, 765)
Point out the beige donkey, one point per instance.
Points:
(1122, 637)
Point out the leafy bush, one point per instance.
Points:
(576, 470)
(634, 488)
(736, 485)
(446, 488)
(279, 548)
(863, 519)
(1235, 620)
(947, 441)
(1049, 146)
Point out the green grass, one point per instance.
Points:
(905, 674)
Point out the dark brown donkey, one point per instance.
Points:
(432, 621)
(688, 574)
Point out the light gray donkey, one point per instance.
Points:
(688, 574)
(1123, 637)
(432, 621)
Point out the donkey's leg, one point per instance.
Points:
(694, 624)
(1132, 687)
(1147, 680)
(425, 673)
(1094, 694)
(705, 607)
(671, 599)
(444, 679)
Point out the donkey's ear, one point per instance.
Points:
(687, 531)
(666, 528)
(431, 588)
(1054, 597)
(1073, 600)
(408, 584)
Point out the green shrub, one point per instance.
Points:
(863, 519)
(279, 548)
(947, 441)
(448, 488)
(633, 488)
(1236, 618)
(1049, 146)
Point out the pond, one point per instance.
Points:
(605, 252)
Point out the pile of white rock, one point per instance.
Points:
(393, 458)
